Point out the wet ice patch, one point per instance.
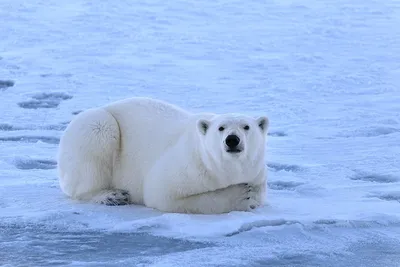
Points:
(284, 167)
(45, 100)
(61, 75)
(326, 221)
(9, 127)
(35, 104)
(52, 96)
(51, 246)
(374, 177)
(76, 112)
(388, 196)
(55, 127)
(4, 84)
(31, 139)
(284, 185)
(277, 133)
(29, 164)
(372, 131)
(350, 223)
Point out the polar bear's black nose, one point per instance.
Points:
(232, 141)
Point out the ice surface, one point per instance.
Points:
(327, 73)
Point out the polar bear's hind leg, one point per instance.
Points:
(86, 158)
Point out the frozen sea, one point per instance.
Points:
(327, 73)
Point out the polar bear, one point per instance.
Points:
(149, 152)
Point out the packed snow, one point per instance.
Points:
(326, 73)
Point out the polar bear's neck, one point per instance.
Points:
(223, 173)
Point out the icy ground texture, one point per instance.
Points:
(327, 73)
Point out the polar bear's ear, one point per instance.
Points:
(263, 123)
(203, 125)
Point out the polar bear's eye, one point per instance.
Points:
(221, 129)
(247, 127)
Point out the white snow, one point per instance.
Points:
(327, 73)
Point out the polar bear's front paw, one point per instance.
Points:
(115, 197)
(247, 198)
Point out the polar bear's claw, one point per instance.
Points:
(247, 197)
(116, 197)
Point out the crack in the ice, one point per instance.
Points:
(262, 223)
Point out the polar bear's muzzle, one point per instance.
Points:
(232, 143)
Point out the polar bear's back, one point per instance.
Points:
(148, 123)
(142, 109)
(147, 128)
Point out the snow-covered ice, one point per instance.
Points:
(327, 73)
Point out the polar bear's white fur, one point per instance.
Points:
(149, 152)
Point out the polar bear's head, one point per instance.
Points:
(233, 138)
